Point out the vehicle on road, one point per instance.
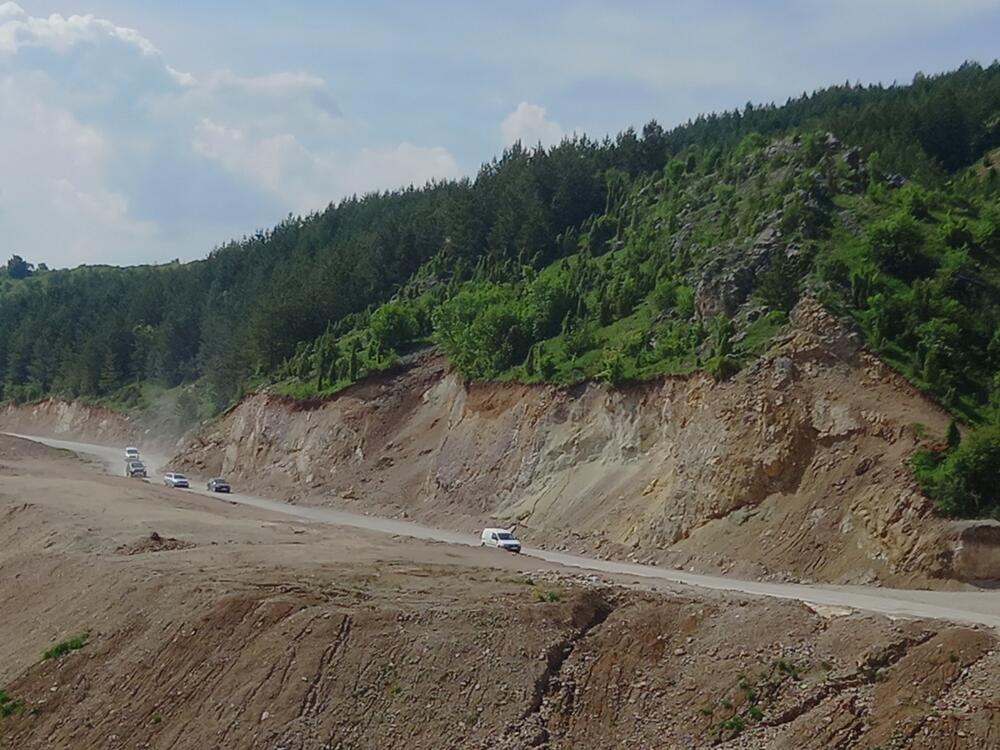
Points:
(501, 539)
(218, 485)
(135, 469)
(173, 479)
(131, 454)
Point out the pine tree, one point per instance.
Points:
(109, 378)
(954, 436)
(352, 366)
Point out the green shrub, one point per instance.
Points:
(541, 595)
(614, 368)
(787, 668)
(578, 342)
(64, 647)
(954, 436)
(684, 303)
(722, 367)
(392, 324)
(963, 481)
(9, 706)
(914, 201)
(483, 330)
(664, 295)
(896, 245)
(734, 724)
(778, 286)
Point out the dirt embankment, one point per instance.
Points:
(796, 467)
(269, 635)
(75, 420)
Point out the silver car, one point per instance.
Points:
(173, 479)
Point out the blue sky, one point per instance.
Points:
(145, 131)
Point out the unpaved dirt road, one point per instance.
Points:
(974, 606)
(207, 624)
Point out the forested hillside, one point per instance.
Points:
(657, 251)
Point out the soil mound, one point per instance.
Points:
(154, 543)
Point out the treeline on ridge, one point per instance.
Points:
(656, 251)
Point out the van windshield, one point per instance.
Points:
(505, 535)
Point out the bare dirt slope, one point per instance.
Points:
(57, 418)
(238, 630)
(796, 467)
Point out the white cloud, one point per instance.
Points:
(402, 165)
(101, 206)
(110, 154)
(529, 125)
(60, 34)
(310, 178)
(53, 188)
(265, 104)
(270, 162)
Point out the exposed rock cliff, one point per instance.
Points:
(797, 466)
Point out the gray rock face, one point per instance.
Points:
(726, 286)
(852, 157)
(723, 293)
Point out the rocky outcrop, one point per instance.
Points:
(796, 467)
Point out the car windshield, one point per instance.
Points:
(220, 480)
(505, 535)
(179, 476)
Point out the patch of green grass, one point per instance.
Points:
(64, 647)
(9, 706)
(787, 668)
(733, 724)
(541, 595)
(749, 691)
(630, 339)
(302, 390)
(759, 334)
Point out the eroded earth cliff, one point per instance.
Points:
(795, 467)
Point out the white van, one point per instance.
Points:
(500, 538)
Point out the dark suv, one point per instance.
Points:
(218, 485)
(135, 469)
